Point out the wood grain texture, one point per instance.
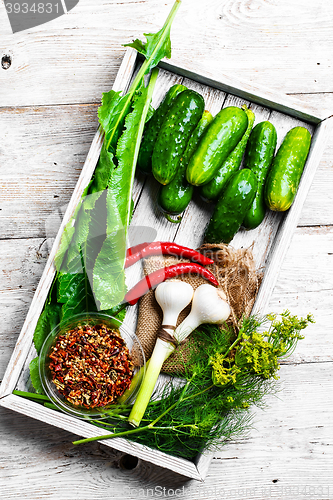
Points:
(263, 41)
(49, 98)
(84, 428)
(290, 446)
(43, 150)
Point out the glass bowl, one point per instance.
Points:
(91, 319)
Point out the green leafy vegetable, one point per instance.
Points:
(122, 118)
(98, 228)
(73, 260)
(113, 114)
(117, 313)
(75, 279)
(128, 149)
(68, 232)
(103, 171)
(150, 113)
(108, 276)
(76, 288)
(48, 320)
(158, 44)
(34, 375)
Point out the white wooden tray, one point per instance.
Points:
(270, 240)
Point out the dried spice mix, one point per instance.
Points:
(91, 365)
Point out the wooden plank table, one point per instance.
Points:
(52, 77)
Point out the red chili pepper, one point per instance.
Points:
(136, 249)
(157, 277)
(164, 248)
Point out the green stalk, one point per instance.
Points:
(51, 406)
(161, 352)
(31, 395)
(151, 86)
(109, 436)
(150, 426)
(135, 381)
(239, 336)
(143, 69)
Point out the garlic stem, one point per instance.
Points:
(161, 352)
(173, 297)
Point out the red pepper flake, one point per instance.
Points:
(91, 366)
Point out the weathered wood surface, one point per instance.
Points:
(284, 45)
(277, 460)
(49, 98)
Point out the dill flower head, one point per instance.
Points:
(258, 353)
(258, 356)
(224, 370)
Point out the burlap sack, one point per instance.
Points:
(237, 276)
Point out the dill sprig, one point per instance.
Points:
(223, 379)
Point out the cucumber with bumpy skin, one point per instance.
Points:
(258, 158)
(220, 138)
(231, 207)
(153, 127)
(212, 190)
(174, 198)
(286, 170)
(177, 127)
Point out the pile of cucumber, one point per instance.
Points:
(184, 146)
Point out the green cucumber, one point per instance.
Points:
(258, 158)
(153, 127)
(220, 138)
(286, 170)
(231, 207)
(177, 127)
(212, 190)
(174, 198)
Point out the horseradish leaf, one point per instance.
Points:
(109, 276)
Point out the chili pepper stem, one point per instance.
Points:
(161, 352)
